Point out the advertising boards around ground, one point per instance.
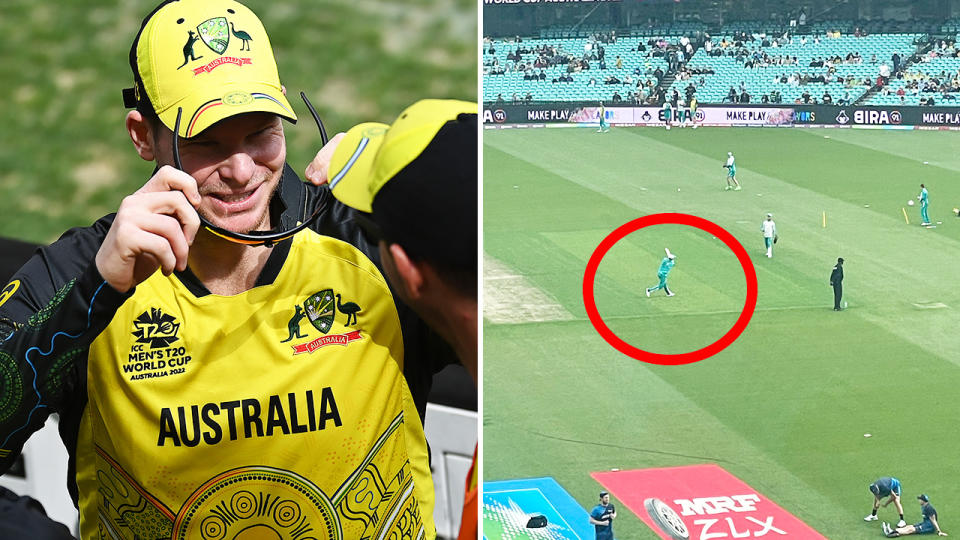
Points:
(559, 114)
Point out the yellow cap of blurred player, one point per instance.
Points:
(371, 154)
(212, 58)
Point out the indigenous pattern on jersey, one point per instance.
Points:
(297, 424)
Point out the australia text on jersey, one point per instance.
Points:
(245, 418)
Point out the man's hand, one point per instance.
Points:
(316, 171)
(154, 228)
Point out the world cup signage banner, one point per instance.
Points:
(701, 502)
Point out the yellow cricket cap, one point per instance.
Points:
(417, 178)
(212, 58)
(371, 154)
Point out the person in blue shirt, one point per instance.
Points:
(924, 204)
(602, 517)
(665, 266)
(928, 525)
(887, 486)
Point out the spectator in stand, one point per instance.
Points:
(528, 98)
(744, 97)
(619, 62)
(515, 98)
(499, 101)
(616, 97)
(805, 96)
(731, 96)
(896, 61)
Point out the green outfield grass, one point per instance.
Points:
(65, 157)
(786, 407)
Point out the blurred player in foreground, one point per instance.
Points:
(886, 487)
(417, 182)
(665, 266)
(927, 526)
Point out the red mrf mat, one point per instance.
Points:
(701, 502)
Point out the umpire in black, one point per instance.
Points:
(836, 280)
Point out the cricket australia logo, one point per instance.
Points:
(156, 328)
(215, 34)
(321, 309)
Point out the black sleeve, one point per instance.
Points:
(57, 304)
(425, 352)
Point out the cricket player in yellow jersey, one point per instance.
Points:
(216, 388)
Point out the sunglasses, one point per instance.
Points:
(252, 238)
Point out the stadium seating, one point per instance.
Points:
(728, 71)
(943, 68)
(580, 89)
(758, 81)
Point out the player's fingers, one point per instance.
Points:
(316, 171)
(134, 254)
(171, 203)
(168, 178)
(165, 240)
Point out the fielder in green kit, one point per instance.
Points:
(665, 266)
(604, 127)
